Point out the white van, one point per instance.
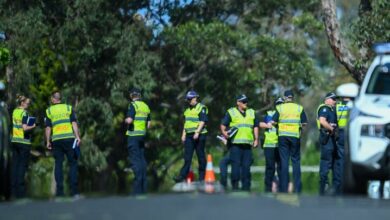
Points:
(367, 147)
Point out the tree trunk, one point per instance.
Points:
(341, 52)
(10, 77)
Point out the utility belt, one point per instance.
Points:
(325, 134)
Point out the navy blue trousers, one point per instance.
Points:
(241, 159)
(191, 145)
(136, 149)
(272, 164)
(62, 148)
(223, 167)
(20, 158)
(328, 163)
(290, 147)
(338, 171)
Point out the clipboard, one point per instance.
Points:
(76, 149)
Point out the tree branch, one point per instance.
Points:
(337, 44)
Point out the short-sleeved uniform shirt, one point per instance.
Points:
(328, 113)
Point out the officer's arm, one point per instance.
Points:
(263, 125)
(27, 128)
(303, 119)
(225, 123)
(256, 135)
(274, 120)
(130, 115)
(148, 123)
(223, 130)
(203, 119)
(76, 130)
(48, 129)
(48, 134)
(24, 123)
(325, 123)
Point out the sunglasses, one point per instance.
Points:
(244, 102)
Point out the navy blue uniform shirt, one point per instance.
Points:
(24, 119)
(328, 113)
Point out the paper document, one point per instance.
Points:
(74, 144)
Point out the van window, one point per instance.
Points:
(379, 83)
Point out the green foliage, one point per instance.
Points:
(41, 178)
(5, 57)
(373, 25)
(99, 127)
(92, 158)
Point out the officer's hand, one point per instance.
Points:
(34, 125)
(255, 143)
(196, 136)
(225, 134)
(78, 141)
(48, 145)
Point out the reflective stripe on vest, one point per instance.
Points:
(59, 115)
(192, 120)
(342, 114)
(289, 119)
(142, 112)
(244, 134)
(318, 118)
(17, 127)
(271, 137)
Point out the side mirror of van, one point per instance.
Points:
(349, 90)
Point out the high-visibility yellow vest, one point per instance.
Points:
(318, 109)
(342, 114)
(142, 112)
(244, 134)
(17, 129)
(59, 115)
(289, 119)
(192, 121)
(271, 137)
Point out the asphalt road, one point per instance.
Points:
(201, 207)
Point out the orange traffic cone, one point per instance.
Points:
(210, 176)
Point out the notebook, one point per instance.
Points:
(31, 121)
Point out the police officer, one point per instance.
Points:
(194, 135)
(247, 136)
(138, 121)
(327, 123)
(21, 145)
(271, 150)
(342, 120)
(61, 133)
(290, 118)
